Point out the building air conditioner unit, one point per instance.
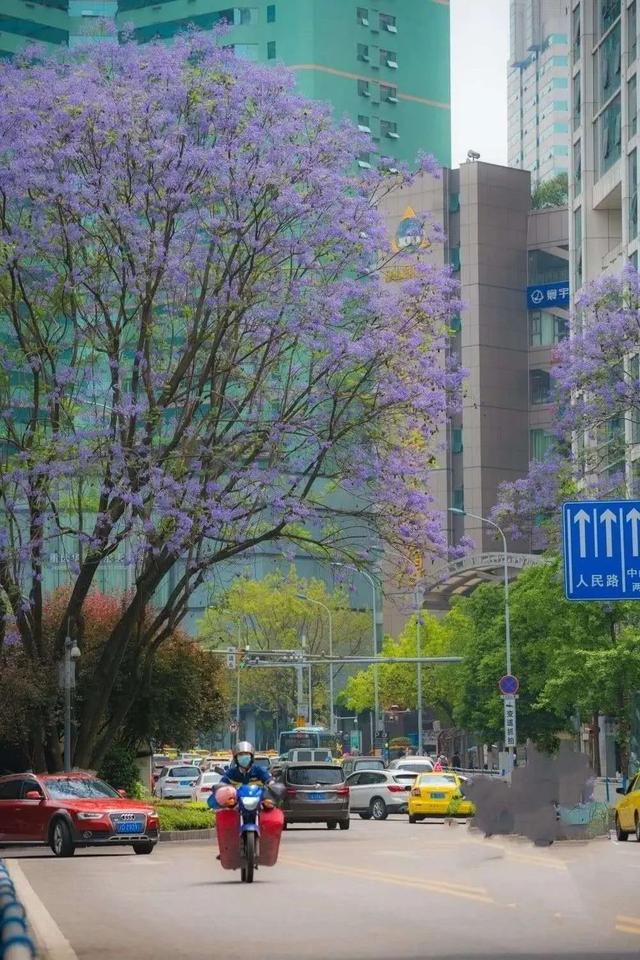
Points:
(392, 64)
(392, 99)
(391, 28)
(393, 135)
(364, 22)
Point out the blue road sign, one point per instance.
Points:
(544, 296)
(508, 685)
(601, 540)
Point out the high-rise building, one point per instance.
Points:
(604, 101)
(538, 88)
(383, 63)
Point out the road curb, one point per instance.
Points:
(184, 835)
(50, 940)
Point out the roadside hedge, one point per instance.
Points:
(177, 815)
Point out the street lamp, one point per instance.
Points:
(319, 603)
(507, 622)
(71, 655)
(376, 684)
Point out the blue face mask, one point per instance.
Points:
(244, 760)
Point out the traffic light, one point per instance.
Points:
(242, 658)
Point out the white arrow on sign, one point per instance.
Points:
(608, 518)
(582, 518)
(633, 516)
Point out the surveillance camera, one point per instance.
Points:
(473, 155)
(74, 653)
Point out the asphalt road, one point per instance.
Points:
(380, 891)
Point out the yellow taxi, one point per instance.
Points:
(628, 810)
(438, 795)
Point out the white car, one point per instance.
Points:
(176, 782)
(374, 794)
(413, 764)
(203, 786)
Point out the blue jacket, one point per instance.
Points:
(238, 777)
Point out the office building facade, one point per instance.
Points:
(383, 63)
(604, 143)
(538, 88)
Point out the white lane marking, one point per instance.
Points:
(51, 941)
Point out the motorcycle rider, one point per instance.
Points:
(243, 770)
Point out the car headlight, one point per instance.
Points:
(90, 815)
(250, 803)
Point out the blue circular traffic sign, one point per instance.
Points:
(508, 685)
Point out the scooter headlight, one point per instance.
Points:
(250, 803)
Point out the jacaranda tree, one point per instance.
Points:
(597, 378)
(198, 352)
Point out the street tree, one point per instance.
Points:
(180, 690)
(268, 614)
(198, 353)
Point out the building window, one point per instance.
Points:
(577, 241)
(547, 329)
(458, 498)
(388, 93)
(271, 13)
(454, 202)
(364, 160)
(271, 50)
(632, 32)
(610, 135)
(561, 128)
(363, 123)
(454, 258)
(539, 387)
(363, 52)
(609, 12)
(609, 64)
(363, 88)
(577, 168)
(576, 33)
(577, 101)
(362, 16)
(633, 194)
(632, 100)
(389, 128)
(540, 443)
(388, 58)
(388, 23)
(456, 440)
(456, 323)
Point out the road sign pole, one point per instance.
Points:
(238, 690)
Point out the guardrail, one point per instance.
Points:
(15, 941)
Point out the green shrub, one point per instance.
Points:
(119, 768)
(178, 815)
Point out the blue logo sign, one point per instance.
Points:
(601, 540)
(542, 296)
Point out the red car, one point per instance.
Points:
(69, 810)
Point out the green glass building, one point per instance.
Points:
(383, 63)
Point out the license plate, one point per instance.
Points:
(186, 783)
(317, 796)
(129, 828)
(438, 796)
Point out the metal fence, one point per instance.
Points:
(15, 940)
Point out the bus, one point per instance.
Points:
(307, 737)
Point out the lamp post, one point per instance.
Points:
(507, 622)
(419, 600)
(376, 685)
(319, 603)
(71, 655)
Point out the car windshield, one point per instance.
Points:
(369, 765)
(434, 780)
(309, 776)
(183, 772)
(211, 778)
(71, 788)
(415, 767)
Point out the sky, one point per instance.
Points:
(480, 49)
